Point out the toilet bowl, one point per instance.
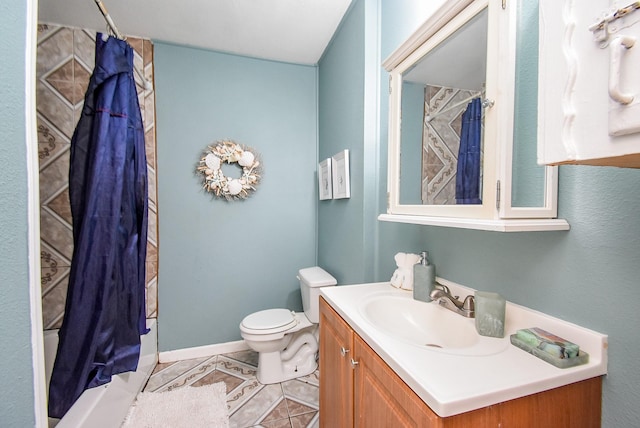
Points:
(286, 341)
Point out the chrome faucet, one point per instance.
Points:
(443, 297)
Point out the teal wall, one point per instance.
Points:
(346, 236)
(588, 276)
(16, 372)
(220, 261)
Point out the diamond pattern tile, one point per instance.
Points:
(61, 205)
(442, 140)
(50, 142)
(290, 404)
(65, 59)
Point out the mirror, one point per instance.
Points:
(528, 177)
(463, 122)
(440, 153)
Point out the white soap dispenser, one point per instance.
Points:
(424, 278)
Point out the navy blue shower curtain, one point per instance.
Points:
(469, 155)
(105, 307)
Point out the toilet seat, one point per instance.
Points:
(269, 321)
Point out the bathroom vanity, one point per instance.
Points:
(371, 375)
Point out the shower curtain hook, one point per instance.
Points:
(110, 24)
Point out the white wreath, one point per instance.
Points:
(215, 182)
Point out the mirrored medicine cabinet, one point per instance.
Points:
(462, 122)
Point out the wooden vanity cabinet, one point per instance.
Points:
(358, 389)
(336, 345)
(381, 398)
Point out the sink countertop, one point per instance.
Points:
(451, 384)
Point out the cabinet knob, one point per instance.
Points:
(354, 363)
(343, 351)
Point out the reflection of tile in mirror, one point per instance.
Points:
(441, 143)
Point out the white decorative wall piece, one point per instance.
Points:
(213, 179)
(340, 174)
(324, 180)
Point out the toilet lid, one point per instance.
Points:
(269, 319)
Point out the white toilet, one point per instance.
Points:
(286, 341)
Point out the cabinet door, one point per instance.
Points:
(336, 372)
(381, 398)
(589, 90)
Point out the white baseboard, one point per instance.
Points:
(202, 351)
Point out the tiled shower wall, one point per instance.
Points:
(441, 143)
(65, 60)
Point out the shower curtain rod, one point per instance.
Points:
(145, 83)
(430, 117)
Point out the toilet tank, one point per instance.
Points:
(311, 280)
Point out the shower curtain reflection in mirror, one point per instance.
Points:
(468, 179)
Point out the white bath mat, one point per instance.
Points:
(203, 406)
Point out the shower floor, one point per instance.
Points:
(289, 404)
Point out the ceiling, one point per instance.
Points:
(295, 31)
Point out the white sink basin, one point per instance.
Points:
(427, 325)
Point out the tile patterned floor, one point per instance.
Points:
(290, 404)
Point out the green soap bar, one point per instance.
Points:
(563, 363)
(547, 342)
